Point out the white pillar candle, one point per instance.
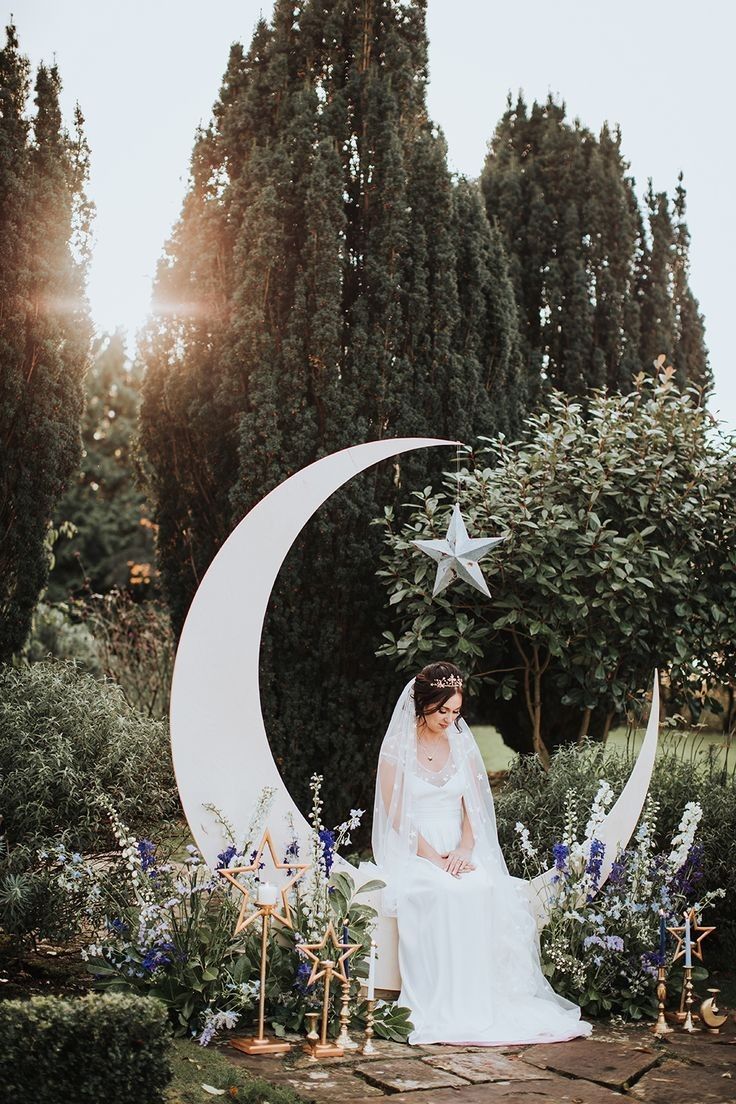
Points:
(267, 894)
(372, 972)
(688, 942)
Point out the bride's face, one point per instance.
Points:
(436, 724)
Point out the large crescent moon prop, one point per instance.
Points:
(220, 748)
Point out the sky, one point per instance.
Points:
(146, 73)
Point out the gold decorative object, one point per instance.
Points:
(688, 1024)
(696, 945)
(312, 1034)
(711, 1015)
(661, 1027)
(327, 968)
(368, 1046)
(231, 876)
(262, 1043)
(343, 1040)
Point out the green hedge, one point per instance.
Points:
(112, 1049)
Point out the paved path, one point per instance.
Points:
(613, 1064)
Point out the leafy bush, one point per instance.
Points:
(165, 929)
(67, 738)
(113, 1048)
(539, 799)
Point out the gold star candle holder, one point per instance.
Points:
(684, 1014)
(267, 911)
(326, 969)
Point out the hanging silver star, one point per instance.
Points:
(458, 554)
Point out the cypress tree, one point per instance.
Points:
(599, 296)
(113, 544)
(44, 328)
(346, 279)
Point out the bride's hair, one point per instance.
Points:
(434, 685)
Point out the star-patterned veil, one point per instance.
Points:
(394, 831)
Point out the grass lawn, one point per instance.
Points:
(688, 745)
(194, 1067)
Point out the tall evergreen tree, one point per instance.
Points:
(44, 327)
(113, 545)
(600, 290)
(327, 284)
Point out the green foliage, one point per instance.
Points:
(44, 327)
(539, 799)
(111, 540)
(111, 1048)
(327, 283)
(193, 1067)
(66, 739)
(620, 557)
(602, 288)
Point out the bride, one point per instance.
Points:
(468, 944)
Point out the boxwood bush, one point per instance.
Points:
(112, 1048)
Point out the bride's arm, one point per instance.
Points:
(458, 859)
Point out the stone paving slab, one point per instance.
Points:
(614, 1065)
(674, 1083)
(488, 1066)
(407, 1075)
(555, 1090)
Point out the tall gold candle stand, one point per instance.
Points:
(368, 1046)
(261, 1043)
(327, 968)
(312, 1034)
(266, 908)
(661, 1027)
(688, 1024)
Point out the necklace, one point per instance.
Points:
(435, 745)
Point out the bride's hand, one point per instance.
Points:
(457, 861)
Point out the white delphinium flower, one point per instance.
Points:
(525, 843)
(601, 801)
(683, 839)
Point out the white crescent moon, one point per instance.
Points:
(219, 742)
(220, 747)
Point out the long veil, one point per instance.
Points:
(394, 835)
(395, 838)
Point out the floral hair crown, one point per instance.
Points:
(452, 682)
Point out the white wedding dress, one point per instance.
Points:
(468, 946)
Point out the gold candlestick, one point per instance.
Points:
(688, 1024)
(343, 1038)
(661, 1027)
(312, 1035)
(326, 968)
(262, 1043)
(368, 1046)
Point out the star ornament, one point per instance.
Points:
(231, 876)
(458, 554)
(696, 945)
(338, 970)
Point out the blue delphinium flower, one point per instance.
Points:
(327, 839)
(291, 855)
(560, 852)
(223, 859)
(302, 974)
(118, 926)
(157, 956)
(593, 866)
(147, 852)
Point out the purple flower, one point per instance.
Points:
(593, 866)
(327, 839)
(560, 852)
(302, 975)
(613, 942)
(117, 925)
(147, 852)
(291, 853)
(223, 859)
(157, 956)
(618, 869)
(650, 960)
(690, 872)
